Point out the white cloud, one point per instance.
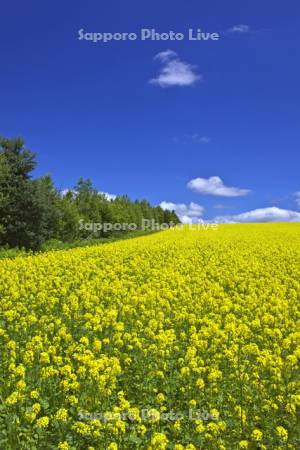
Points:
(187, 213)
(108, 196)
(220, 206)
(297, 194)
(175, 72)
(239, 29)
(64, 192)
(200, 139)
(166, 55)
(105, 194)
(195, 138)
(272, 214)
(215, 186)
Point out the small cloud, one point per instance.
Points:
(239, 29)
(165, 56)
(195, 138)
(64, 192)
(297, 195)
(108, 196)
(174, 71)
(272, 214)
(219, 206)
(187, 213)
(200, 139)
(215, 186)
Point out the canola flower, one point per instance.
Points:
(174, 323)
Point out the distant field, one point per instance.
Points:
(180, 340)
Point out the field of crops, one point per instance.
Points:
(182, 340)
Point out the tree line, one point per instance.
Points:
(33, 211)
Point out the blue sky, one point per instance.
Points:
(227, 109)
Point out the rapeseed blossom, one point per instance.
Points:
(180, 340)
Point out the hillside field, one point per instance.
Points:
(185, 340)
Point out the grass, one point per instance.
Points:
(55, 244)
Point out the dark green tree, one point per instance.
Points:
(18, 207)
(69, 217)
(32, 211)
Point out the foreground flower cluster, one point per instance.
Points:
(181, 340)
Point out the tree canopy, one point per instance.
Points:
(33, 211)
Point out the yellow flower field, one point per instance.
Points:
(180, 340)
